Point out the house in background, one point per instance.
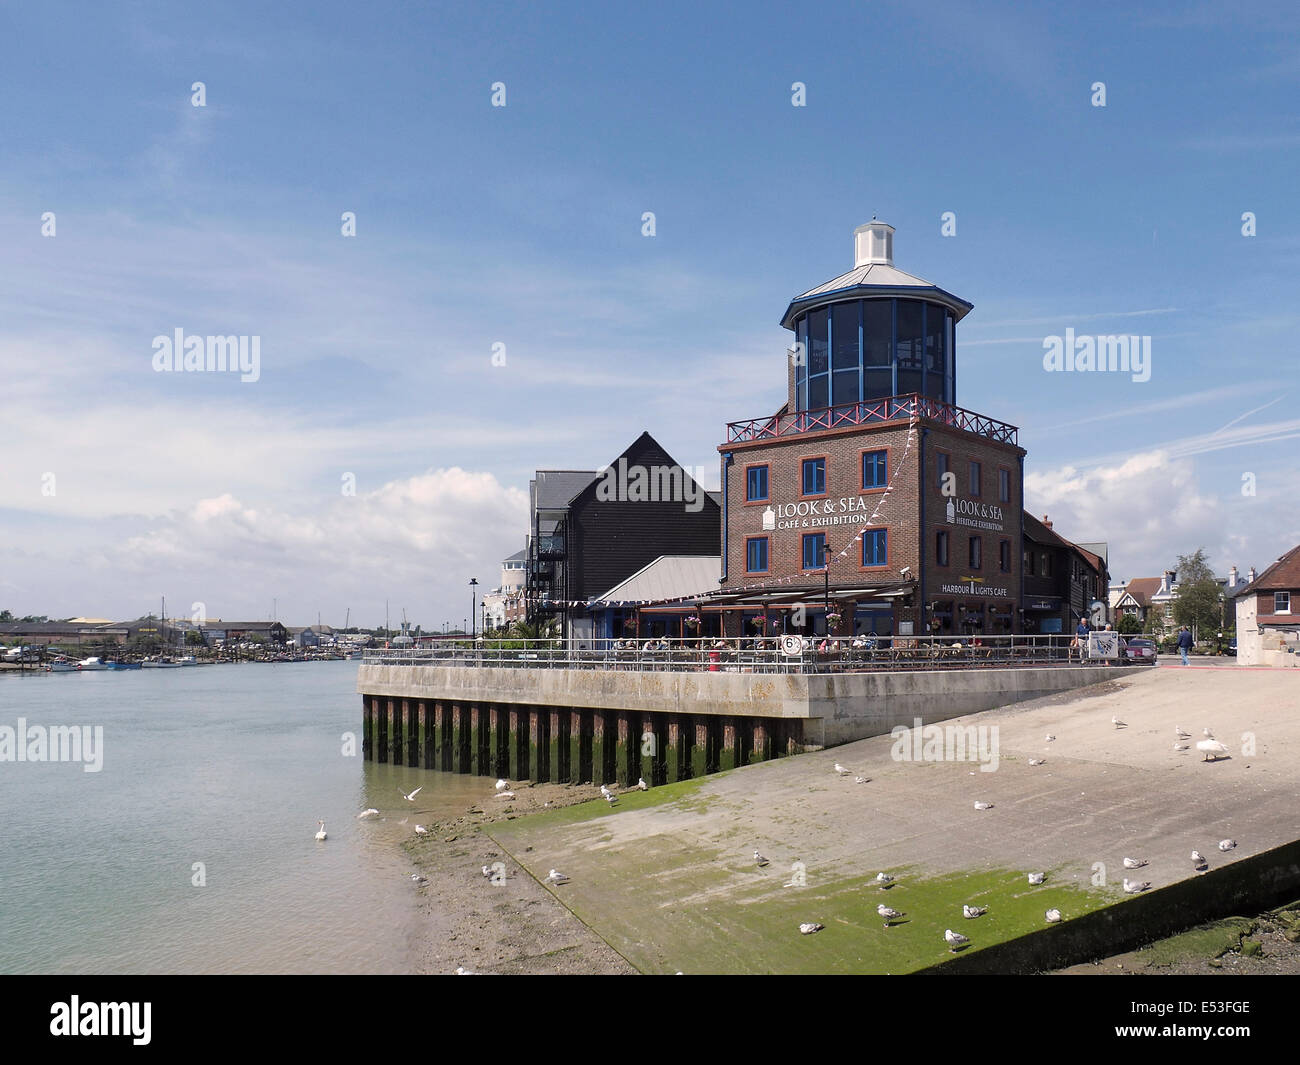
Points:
(1062, 579)
(1268, 614)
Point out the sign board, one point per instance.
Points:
(1103, 644)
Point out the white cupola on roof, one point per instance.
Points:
(873, 243)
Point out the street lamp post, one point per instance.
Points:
(473, 604)
(826, 575)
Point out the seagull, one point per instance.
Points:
(1182, 733)
(841, 770)
(606, 792)
(321, 834)
(502, 784)
(888, 913)
(1227, 844)
(1181, 747)
(557, 877)
(1037, 761)
(983, 805)
(861, 780)
(1134, 886)
(372, 812)
(640, 783)
(1050, 737)
(611, 799)
(505, 795)
(420, 830)
(971, 912)
(1053, 916)
(411, 797)
(1118, 723)
(1134, 863)
(419, 879)
(487, 871)
(462, 971)
(809, 927)
(1198, 859)
(1211, 747)
(955, 940)
(1036, 878)
(759, 860)
(884, 879)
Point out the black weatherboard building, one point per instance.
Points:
(591, 530)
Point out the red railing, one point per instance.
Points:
(893, 408)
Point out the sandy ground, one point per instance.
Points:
(509, 923)
(670, 886)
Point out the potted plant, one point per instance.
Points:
(833, 618)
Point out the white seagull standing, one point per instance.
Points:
(1118, 723)
(640, 783)
(1211, 746)
(605, 792)
(411, 797)
(557, 877)
(1050, 737)
(502, 784)
(759, 860)
(884, 879)
(955, 940)
(1198, 860)
(888, 913)
(841, 770)
(321, 834)
(420, 830)
(1182, 733)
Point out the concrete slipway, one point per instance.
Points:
(668, 879)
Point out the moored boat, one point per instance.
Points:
(88, 665)
(125, 665)
(61, 664)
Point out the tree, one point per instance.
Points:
(1197, 603)
(6, 615)
(1128, 624)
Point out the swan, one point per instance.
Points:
(321, 834)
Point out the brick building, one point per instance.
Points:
(869, 490)
(1268, 614)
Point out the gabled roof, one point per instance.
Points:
(1282, 576)
(554, 489)
(668, 577)
(518, 556)
(1142, 589)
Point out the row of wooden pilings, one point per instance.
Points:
(567, 745)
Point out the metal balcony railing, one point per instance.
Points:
(893, 408)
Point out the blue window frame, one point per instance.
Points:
(873, 469)
(756, 483)
(875, 547)
(941, 467)
(813, 546)
(756, 555)
(975, 480)
(814, 477)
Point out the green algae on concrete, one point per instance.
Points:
(1207, 942)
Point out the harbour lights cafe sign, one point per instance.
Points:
(818, 513)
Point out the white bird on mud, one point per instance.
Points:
(861, 780)
(809, 927)
(1227, 844)
(841, 770)
(1036, 878)
(971, 912)
(557, 877)
(505, 795)
(487, 870)
(462, 971)
(372, 812)
(1053, 916)
(759, 860)
(420, 830)
(417, 878)
(1037, 761)
(640, 783)
(1135, 886)
(1050, 737)
(884, 879)
(955, 940)
(1181, 747)
(983, 805)
(321, 834)
(1210, 747)
(1182, 733)
(888, 913)
(411, 797)
(502, 784)
(1134, 863)
(1118, 723)
(1198, 859)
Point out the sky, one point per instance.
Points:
(500, 307)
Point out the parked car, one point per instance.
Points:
(1138, 650)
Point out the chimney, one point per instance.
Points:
(1046, 524)
(873, 243)
(1232, 578)
(1250, 576)
(1164, 584)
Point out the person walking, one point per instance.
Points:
(1184, 642)
(1081, 636)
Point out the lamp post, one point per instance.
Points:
(826, 575)
(473, 604)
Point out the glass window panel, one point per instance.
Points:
(910, 339)
(1004, 486)
(934, 334)
(846, 386)
(941, 547)
(801, 395)
(878, 384)
(940, 466)
(975, 478)
(812, 550)
(909, 381)
(818, 389)
(757, 483)
(874, 473)
(756, 555)
(934, 386)
(844, 336)
(877, 332)
(875, 547)
(814, 477)
(976, 556)
(817, 342)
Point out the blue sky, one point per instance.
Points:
(521, 225)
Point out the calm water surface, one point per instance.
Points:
(228, 765)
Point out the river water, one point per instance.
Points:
(230, 766)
